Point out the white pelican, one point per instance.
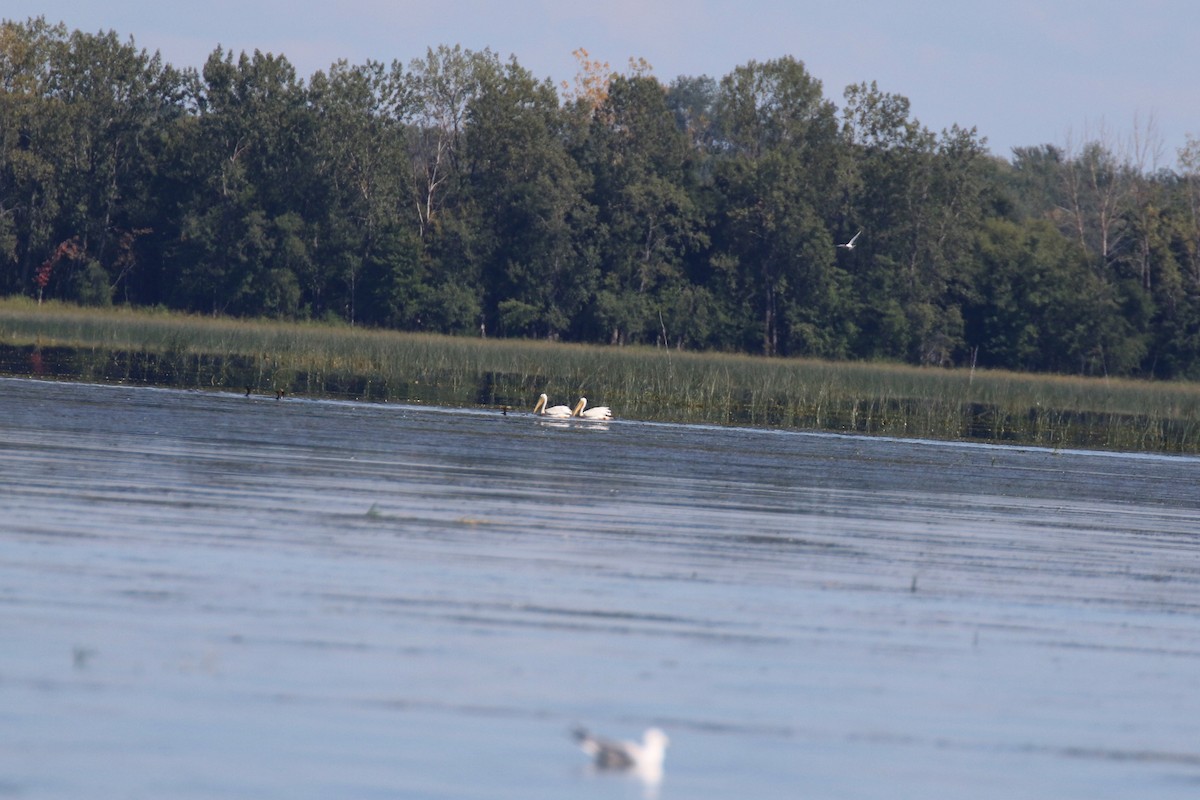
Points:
(553, 411)
(645, 758)
(850, 244)
(599, 412)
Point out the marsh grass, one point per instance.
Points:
(642, 383)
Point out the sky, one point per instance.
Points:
(1022, 73)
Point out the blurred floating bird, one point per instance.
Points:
(850, 244)
(644, 758)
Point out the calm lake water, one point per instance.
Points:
(204, 595)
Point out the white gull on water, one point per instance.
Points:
(643, 759)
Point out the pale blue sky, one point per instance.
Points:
(1022, 72)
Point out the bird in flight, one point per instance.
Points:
(850, 244)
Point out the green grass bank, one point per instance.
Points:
(171, 349)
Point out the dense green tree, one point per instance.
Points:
(361, 190)
(122, 103)
(776, 180)
(33, 142)
(694, 100)
(459, 194)
(1033, 182)
(84, 119)
(439, 90)
(774, 251)
(1042, 307)
(1027, 304)
(919, 197)
(648, 221)
(245, 225)
(537, 270)
(394, 269)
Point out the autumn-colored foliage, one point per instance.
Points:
(591, 81)
(594, 77)
(70, 249)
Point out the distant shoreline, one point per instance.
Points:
(269, 358)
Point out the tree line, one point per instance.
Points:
(459, 193)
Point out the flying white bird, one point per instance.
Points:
(850, 244)
(553, 411)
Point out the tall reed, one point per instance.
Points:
(642, 383)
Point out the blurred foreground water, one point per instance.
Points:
(206, 595)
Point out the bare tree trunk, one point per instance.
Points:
(1097, 183)
(1189, 163)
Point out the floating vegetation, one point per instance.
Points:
(120, 345)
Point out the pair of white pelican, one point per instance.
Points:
(581, 411)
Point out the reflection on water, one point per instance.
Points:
(642, 759)
(571, 422)
(205, 594)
